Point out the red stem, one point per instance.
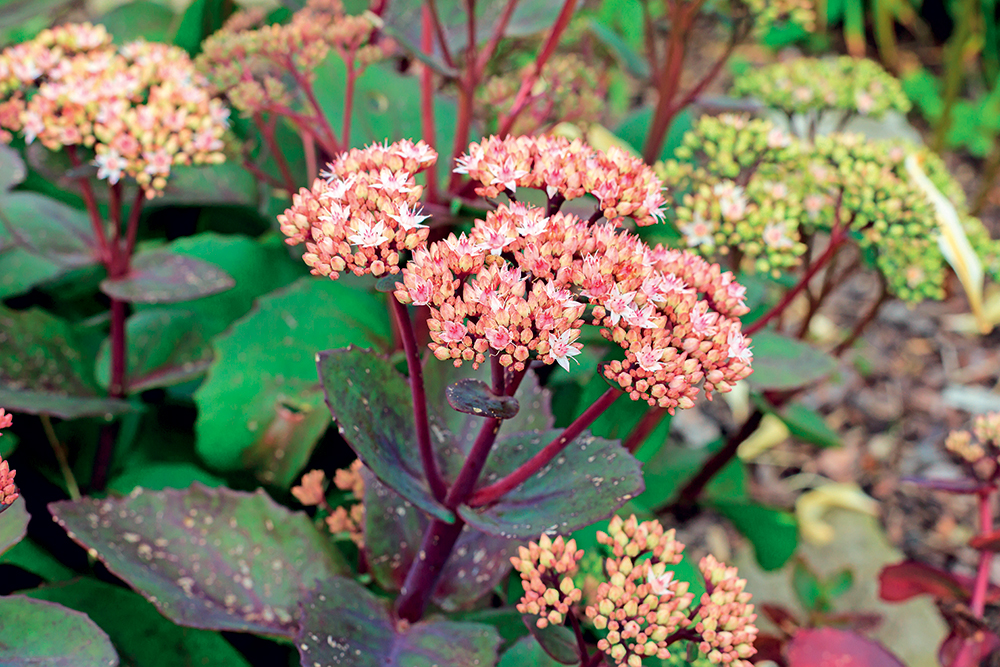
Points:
(521, 100)
(837, 236)
(498, 30)
(417, 390)
(266, 129)
(427, 100)
(132, 230)
(644, 428)
(320, 118)
(495, 491)
(466, 95)
(431, 6)
(91, 203)
(978, 603)
(581, 643)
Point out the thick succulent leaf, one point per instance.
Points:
(20, 269)
(344, 624)
(373, 408)
(773, 533)
(38, 633)
(49, 228)
(587, 482)
(780, 362)
(226, 184)
(474, 397)
(141, 635)
(162, 276)
(165, 347)
(557, 641)
(42, 371)
(207, 558)
(527, 652)
(829, 646)
(13, 525)
(393, 532)
(902, 581)
(268, 416)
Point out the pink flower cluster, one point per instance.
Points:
(547, 568)
(641, 605)
(142, 108)
(364, 213)
(622, 183)
(725, 616)
(8, 490)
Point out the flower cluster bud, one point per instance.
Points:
(8, 490)
(546, 568)
(141, 108)
(251, 63)
(980, 447)
(773, 13)
(311, 490)
(364, 211)
(567, 91)
(340, 520)
(844, 84)
(725, 616)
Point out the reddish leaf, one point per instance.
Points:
(987, 542)
(908, 579)
(829, 647)
(50, 229)
(862, 622)
(770, 647)
(781, 617)
(981, 645)
(165, 277)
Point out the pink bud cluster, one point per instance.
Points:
(725, 616)
(980, 447)
(8, 490)
(350, 520)
(641, 605)
(623, 184)
(547, 568)
(142, 108)
(364, 212)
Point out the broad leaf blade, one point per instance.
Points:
(830, 646)
(36, 633)
(557, 641)
(215, 559)
(780, 362)
(49, 228)
(13, 525)
(12, 169)
(344, 624)
(42, 371)
(587, 482)
(474, 397)
(161, 276)
(372, 405)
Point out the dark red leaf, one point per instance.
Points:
(770, 647)
(981, 644)
(862, 622)
(987, 542)
(781, 617)
(908, 579)
(829, 647)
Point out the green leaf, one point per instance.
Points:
(13, 525)
(21, 270)
(268, 416)
(474, 397)
(141, 635)
(144, 19)
(838, 584)
(635, 128)
(165, 347)
(215, 559)
(809, 426)
(780, 362)
(557, 641)
(161, 276)
(393, 532)
(31, 557)
(158, 476)
(200, 19)
(629, 59)
(49, 228)
(38, 633)
(527, 652)
(807, 587)
(373, 408)
(344, 624)
(773, 533)
(226, 184)
(586, 482)
(12, 169)
(42, 370)
(672, 465)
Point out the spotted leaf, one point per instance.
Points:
(207, 558)
(393, 531)
(372, 405)
(344, 624)
(474, 397)
(36, 632)
(587, 482)
(165, 277)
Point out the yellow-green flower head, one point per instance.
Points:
(768, 13)
(846, 84)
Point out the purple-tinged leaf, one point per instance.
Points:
(227, 184)
(161, 276)
(823, 647)
(780, 362)
(37, 633)
(13, 524)
(474, 397)
(982, 643)
(963, 486)
(12, 169)
(587, 482)
(165, 347)
(393, 531)
(344, 624)
(372, 405)
(902, 581)
(215, 559)
(50, 229)
(557, 641)
(42, 370)
(986, 541)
